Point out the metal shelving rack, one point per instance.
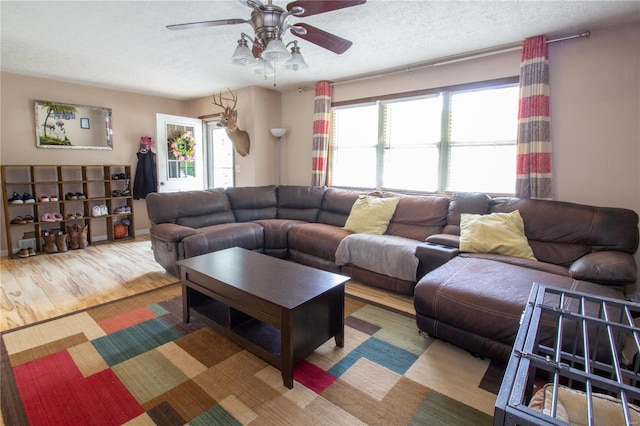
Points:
(571, 339)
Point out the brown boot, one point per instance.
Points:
(83, 240)
(49, 242)
(61, 241)
(74, 235)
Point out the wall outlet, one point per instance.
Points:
(238, 168)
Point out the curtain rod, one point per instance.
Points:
(454, 58)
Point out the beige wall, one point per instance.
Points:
(258, 112)
(133, 116)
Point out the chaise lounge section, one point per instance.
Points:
(475, 300)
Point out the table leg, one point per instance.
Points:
(185, 303)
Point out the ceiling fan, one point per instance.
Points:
(270, 22)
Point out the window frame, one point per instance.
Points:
(445, 143)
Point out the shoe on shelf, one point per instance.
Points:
(16, 199)
(96, 211)
(71, 216)
(57, 216)
(81, 196)
(70, 196)
(122, 210)
(44, 198)
(18, 220)
(23, 253)
(47, 217)
(29, 219)
(28, 198)
(53, 197)
(104, 211)
(79, 215)
(32, 251)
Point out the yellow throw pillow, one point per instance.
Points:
(498, 233)
(371, 215)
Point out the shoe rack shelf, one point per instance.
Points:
(99, 196)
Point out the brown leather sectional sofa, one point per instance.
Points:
(469, 299)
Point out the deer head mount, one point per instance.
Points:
(228, 120)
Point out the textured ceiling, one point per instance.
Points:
(124, 44)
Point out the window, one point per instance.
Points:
(220, 159)
(450, 140)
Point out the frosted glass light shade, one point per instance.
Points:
(263, 68)
(296, 62)
(276, 51)
(278, 132)
(242, 55)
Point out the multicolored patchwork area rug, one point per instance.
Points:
(135, 362)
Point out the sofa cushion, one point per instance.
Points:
(560, 232)
(190, 208)
(318, 239)
(218, 237)
(499, 233)
(276, 231)
(385, 254)
(464, 202)
(336, 206)
(605, 267)
(418, 217)
(371, 215)
(253, 203)
(300, 202)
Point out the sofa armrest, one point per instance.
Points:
(449, 240)
(431, 255)
(605, 267)
(171, 232)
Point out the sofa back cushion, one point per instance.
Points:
(253, 202)
(190, 208)
(418, 217)
(336, 206)
(561, 232)
(464, 202)
(300, 202)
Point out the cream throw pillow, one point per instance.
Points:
(498, 233)
(371, 215)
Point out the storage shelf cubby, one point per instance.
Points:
(92, 185)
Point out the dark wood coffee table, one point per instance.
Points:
(278, 310)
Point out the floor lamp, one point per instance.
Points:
(278, 133)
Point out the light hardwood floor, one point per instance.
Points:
(49, 285)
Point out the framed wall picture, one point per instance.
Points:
(68, 126)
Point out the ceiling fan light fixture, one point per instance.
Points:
(276, 51)
(242, 55)
(263, 68)
(297, 62)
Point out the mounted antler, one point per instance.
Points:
(228, 120)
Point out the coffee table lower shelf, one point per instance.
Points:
(257, 337)
(280, 336)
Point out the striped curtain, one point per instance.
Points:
(321, 111)
(534, 137)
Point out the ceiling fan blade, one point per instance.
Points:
(205, 24)
(314, 7)
(324, 39)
